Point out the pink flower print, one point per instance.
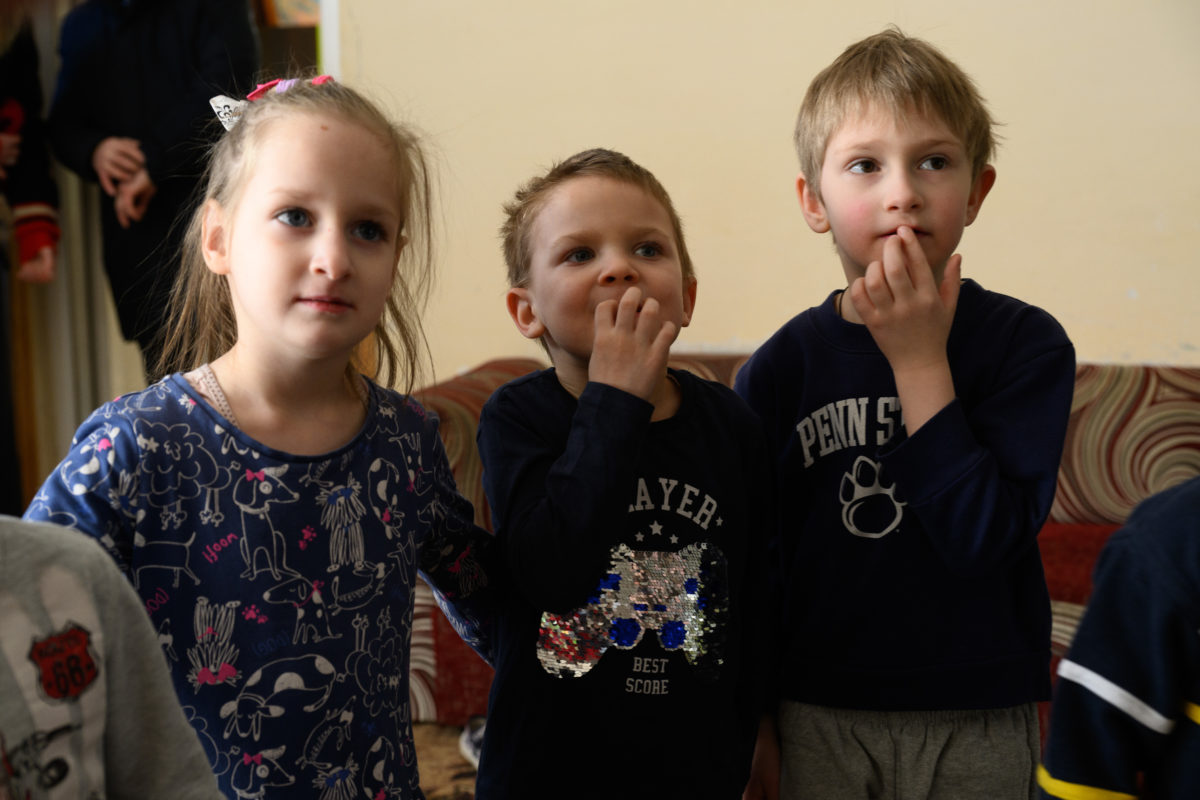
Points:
(224, 674)
(104, 444)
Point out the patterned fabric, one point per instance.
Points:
(281, 586)
(1134, 431)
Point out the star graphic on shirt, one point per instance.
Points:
(640, 536)
(720, 522)
(656, 529)
(674, 539)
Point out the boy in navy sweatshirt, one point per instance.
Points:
(917, 422)
(632, 503)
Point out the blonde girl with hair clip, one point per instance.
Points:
(271, 505)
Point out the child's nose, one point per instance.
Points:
(902, 192)
(618, 269)
(330, 255)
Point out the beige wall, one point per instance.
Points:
(1095, 215)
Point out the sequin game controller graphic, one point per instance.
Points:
(682, 596)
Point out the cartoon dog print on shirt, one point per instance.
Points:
(255, 493)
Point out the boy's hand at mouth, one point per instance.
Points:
(907, 312)
(631, 345)
(909, 315)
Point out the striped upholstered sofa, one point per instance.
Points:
(1134, 431)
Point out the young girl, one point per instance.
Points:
(272, 506)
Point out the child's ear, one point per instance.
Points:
(520, 307)
(811, 205)
(214, 243)
(689, 300)
(979, 190)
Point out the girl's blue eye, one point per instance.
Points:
(935, 163)
(864, 166)
(293, 217)
(648, 250)
(578, 255)
(370, 231)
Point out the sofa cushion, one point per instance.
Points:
(1069, 552)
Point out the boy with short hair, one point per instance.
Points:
(631, 504)
(917, 423)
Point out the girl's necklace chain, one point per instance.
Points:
(212, 388)
(216, 396)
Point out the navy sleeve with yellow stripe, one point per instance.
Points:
(1126, 716)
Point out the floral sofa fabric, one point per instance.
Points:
(1134, 431)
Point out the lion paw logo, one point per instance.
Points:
(869, 509)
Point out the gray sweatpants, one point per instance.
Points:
(841, 754)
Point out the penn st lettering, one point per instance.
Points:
(682, 503)
(887, 414)
(832, 427)
(844, 423)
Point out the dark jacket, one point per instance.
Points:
(145, 69)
